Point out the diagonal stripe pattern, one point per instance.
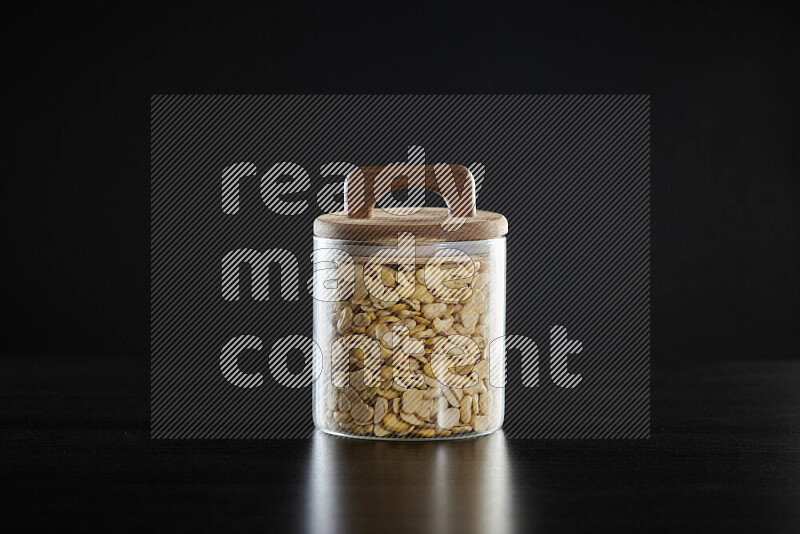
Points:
(250, 174)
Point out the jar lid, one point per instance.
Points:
(460, 221)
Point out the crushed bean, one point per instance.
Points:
(423, 385)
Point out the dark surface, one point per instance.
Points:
(724, 457)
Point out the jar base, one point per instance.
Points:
(364, 437)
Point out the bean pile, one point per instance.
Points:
(418, 386)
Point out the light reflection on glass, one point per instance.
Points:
(450, 486)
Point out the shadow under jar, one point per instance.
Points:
(408, 303)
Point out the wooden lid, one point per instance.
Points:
(426, 225)
(460, 221)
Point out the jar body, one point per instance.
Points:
(413, 348)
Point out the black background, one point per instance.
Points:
(75, 450)
(724, 87)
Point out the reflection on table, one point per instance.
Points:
(450, 486)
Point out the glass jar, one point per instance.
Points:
(407, 304)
